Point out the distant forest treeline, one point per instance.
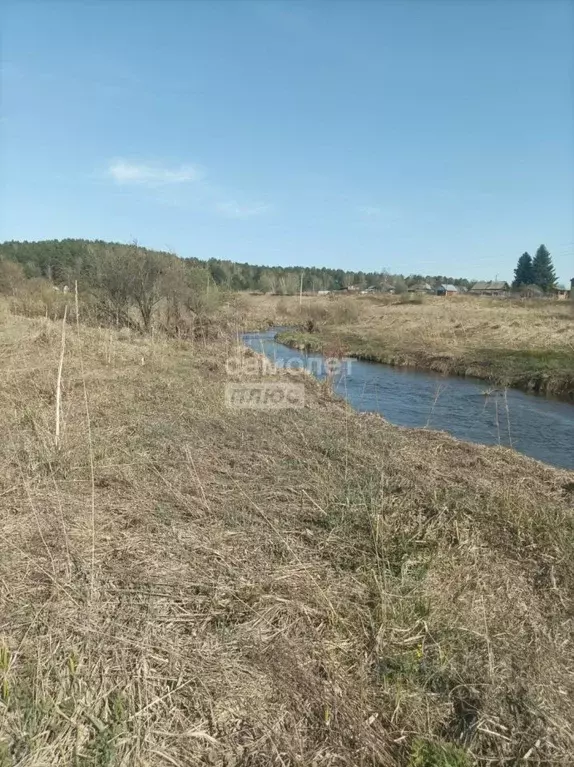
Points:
(64, 261)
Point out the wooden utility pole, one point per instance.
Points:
(301, 291)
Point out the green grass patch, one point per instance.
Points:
(426, 753)
(296, 339)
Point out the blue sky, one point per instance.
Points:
(417, 136)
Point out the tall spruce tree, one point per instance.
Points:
(523, 272)
(543, 273)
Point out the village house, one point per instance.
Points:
(420, 287)
(535, 291)
(491, 288)
(563, 295)
(447, 290)
(531, 291)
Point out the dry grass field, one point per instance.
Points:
(528, 344)
(186, 584)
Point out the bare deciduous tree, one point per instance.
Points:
(111, 283)
(146, 269)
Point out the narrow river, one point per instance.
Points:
(536, 426)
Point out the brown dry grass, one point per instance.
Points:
(529, 344)
(460, 322)
(184, 584)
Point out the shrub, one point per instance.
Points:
(37, 297)
(411, 298)
(344, 310)
(12, 277)
(317, 312)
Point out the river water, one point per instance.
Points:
(540, 427)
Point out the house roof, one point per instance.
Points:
(449, 288)
(536, 289)
(420, 286)
(490, 285)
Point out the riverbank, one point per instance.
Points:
(466, 408)
(537, 371)
(526, 345)
(187, 583)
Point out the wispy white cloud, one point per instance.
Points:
(183, 186)
(233, 209)
(152, 174)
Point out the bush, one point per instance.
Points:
(317, 313)
(39, 298)
(12, 277)
(337, 311)
(344, 310)
(412, 298)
